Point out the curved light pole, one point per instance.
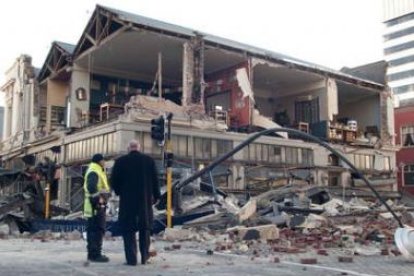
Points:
(306, 136)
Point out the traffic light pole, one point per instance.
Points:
(169, 161)
(47, 200)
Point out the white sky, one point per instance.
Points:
(334, 33)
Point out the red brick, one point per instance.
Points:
(395, 252)
(322, 252)
(292, 250)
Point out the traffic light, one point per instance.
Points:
(158, 129)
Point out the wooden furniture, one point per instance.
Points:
(221, 115)
(349, 135)
(107, 108)
(334, 132)
(302, 126)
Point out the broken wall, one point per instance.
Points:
(288, 103)
(56, 97)
(78, 108)
(284, 99)
(365, 111)
(225, 83)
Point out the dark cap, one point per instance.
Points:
(97, 158)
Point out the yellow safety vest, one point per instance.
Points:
(102, 186)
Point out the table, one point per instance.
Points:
(106, 108)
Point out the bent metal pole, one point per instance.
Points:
(305, 136)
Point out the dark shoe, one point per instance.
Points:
(131, 264)
(144, 259)
(99, 259)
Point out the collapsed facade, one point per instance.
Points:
(125, 70)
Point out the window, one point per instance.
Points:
(291, 155)
(224, 146)
(363, 161)
(398, 34)
(275, 154)
(179, 145)
(387, 163)
(307, 111)
(400, 20)
(401, 61)
(307, 157)
(407, 136)
(401, 75)
(403, 89)
(202, 148)
(409, 174)
(399, 48)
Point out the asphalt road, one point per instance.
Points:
(34, 257)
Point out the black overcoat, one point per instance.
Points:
(134, 178)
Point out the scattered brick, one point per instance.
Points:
(345, 259)
(176, 246)
(322, 252)
(395, 252)
(309, 261)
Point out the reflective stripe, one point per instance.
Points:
(101, 187)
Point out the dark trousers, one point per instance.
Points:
(130, 246)
(95, 230)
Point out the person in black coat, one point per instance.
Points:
(135, 179)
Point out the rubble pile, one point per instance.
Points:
(139, 107)
(293, 220)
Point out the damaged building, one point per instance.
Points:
(98, 94)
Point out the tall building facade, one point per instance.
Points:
(399, 54)
(399, 47)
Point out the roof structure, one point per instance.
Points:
(375, 71)
(106, 22)
(60, 55)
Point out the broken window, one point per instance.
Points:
(334, 179)
(407, 136)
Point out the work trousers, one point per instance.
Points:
(95, 230)
(130, 246)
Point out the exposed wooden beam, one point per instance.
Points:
(90, 38)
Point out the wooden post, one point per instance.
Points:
(159, 75)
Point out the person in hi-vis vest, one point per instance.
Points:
(97, 191)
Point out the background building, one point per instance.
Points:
(399, 47)
(399, 53)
